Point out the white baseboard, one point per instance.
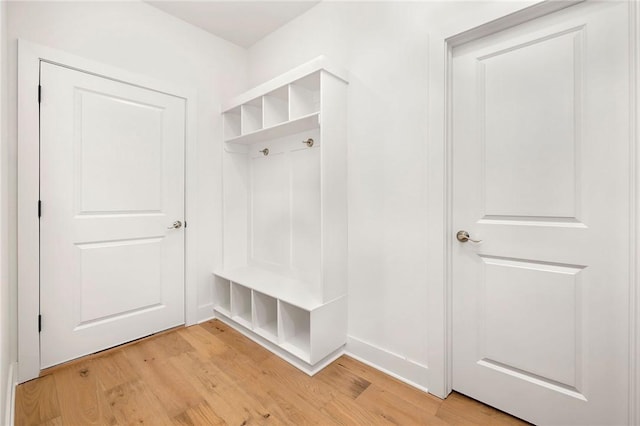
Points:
(205, 313)
(10, 402)
(407, 371)
(403, 369)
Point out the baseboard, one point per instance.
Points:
(10, 402)
(205, 313)
(403, 369)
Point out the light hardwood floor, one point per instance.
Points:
(210, 374)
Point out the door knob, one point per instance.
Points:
(176, 225)
(463, 237)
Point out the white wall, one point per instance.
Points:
(385, 46)
(141, 39)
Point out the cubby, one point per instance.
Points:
(241, 304)
(304, 96)
(295, 323)
(251, 116)
(275, 107)
(265, 310)
(285, 214)
(232, 123)
(222, 294)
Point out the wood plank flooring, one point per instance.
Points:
(209, 374)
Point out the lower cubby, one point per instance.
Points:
(295, 327)
(222, 294)
(265, 309)
(241, 304)
(307, 337)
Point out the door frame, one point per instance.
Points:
(30, 55)
(440, 187)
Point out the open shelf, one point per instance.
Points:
(300, 124)
(295, 329)
(232, 121)
(292, 291)
(265, 316)
(251, 116)
(241, 304)
(304, 96)
(222, 295)
(276, 107)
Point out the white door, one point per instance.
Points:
(541, 176)
(111, 184)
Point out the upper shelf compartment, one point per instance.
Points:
(290, 127)
(304, 96)
(286, 105)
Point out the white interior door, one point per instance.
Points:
(541, 176)
(111, 184)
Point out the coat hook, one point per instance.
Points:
(308, 142)
(265, 151)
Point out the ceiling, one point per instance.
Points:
(240, 22)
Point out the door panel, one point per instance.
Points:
(521, 129)
(102, 286)
(526, 309)
(540, 160)
(113, 178)
(111, 183)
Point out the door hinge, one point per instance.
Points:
(39, 323)
(39, 93)
(39, 208)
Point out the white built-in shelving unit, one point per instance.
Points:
(283, 281)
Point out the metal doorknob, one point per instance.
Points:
(463, 237)
(176, 225)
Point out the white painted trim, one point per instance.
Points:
(634, 141)
(28, 289)
(502, 23)
(29, 57)
(190, 208)
(436, 222)
(319, 63)
(440, 188)
(285, 355)
(10, 401)
(398, 366)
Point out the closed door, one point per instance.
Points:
(541, 176)
(111, 186)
